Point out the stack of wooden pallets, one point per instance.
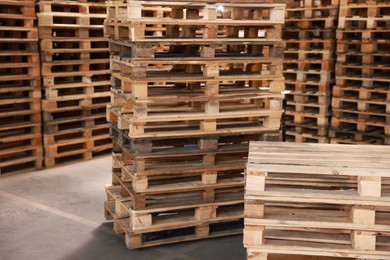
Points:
(317, 199)
(361, 97)
(20, 113)
(308, 67)
(192, 83)
(76, 79)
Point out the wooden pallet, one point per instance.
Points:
(80, 49)
(308, 65)
(292, 33)
(160, 217)
(171, 68)
(175, 49)
(292, 136)
(203, 193)
(358, 58)
(357, 82)
(311, 23)
(71, 13)
(307, 108)
(19, 66)
(204, 89)
(308, 98)
(352, 127)
(309, 45)
(20, 144)
(316, 76)
(381, 93)
(69, 80)
(20, 109)
(363, 15)
(17, 14)
(173, 176)
(71, 146)
(308, 68)
(69, 91)
(173, 235)
(87, 119)
(80, 66)
(291, 4)
(18, 34)
(179, 12)
(155, 166)
(149, 112)
(376, 106)
(76, 101)
(363, 125)
(84, 20)
(354, 33)
(67, 147)
(14, 49)
(187, 94)
(308, 87)
(167, 125)
(375, 70)
(175, 145)
(21, 158)
(311, 10)
(293, 54)
(312, 219)
(311, 130)
(365, 46)
(306, 118)
(144, 31)
(349, 136)
(74, 32)
(365, 118)
(63, 136)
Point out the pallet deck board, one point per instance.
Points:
(343, 213)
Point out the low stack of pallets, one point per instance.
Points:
(76, 80)
(192, 83)
(20, 110)
(309, 34)
(317, 199)
(361, 97)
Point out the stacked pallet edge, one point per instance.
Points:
(76, 80)
(191, 85)
(361, 97)
(318, 200)
(310, 39)
(20, 116)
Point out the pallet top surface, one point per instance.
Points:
(331, 159)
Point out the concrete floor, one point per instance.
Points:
(58, 214)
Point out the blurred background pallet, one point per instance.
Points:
(20, 93)
(76, 80)
(309, 33)
(360, 104)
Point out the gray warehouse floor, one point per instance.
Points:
(58, 214)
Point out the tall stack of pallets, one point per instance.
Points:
(309, 34)
(20, 110)
(361, 97)
(192, 83)
(76, 80)
(317, 199)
